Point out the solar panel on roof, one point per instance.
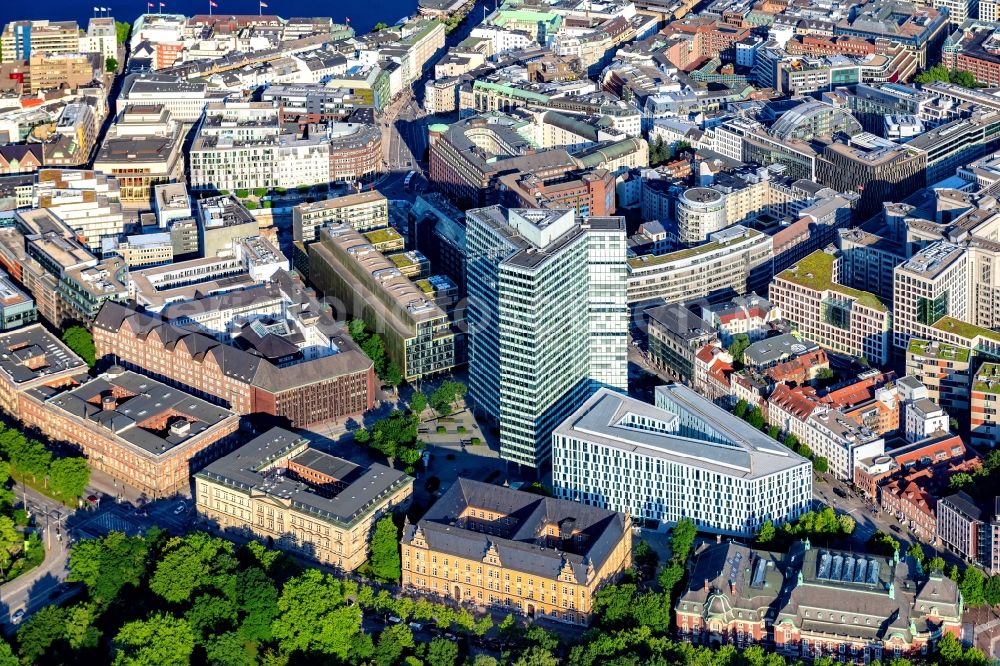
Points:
(873, 567)
(838, 565)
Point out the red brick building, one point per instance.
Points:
(590, 193)
(815, 602)
(147, 435)
(329, 387)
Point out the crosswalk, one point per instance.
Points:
(106, 522)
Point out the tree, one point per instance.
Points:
(441, 652)
(773, 431)
(108, 564)
(682, 539)
(374, 347)
(257, 598)
(936, 563)
(356, 329)
(110, 65)
(766, 533)
(972, 586)
(122, 31)
(791, 441)
(992, 591)
(740, 408)
(447, 394)
(418, 403)
(825, 374)
(380, 26)
(393, 375)
(644, 555)
(386, 565)
(81, 342)
(670, 576)
(949, 650)
(80, 630)
(932, 74)
(69, 477)
(313, 618)
(916, 551)
(821, 464)
(964, 78)
(881, 543)
(756, 417)
(739, 346)
(210, 615)
(190, 563)
(229, 649)
(960, 481)
(162, 639)
(537, 656)
(11, 543)
(7, 657)
(38, 635)
(537, 488)
(391, 644)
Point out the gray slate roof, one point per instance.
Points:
(521, 549)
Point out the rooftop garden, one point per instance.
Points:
(938, 350)
(816, 272)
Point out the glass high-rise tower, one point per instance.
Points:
(548, 319)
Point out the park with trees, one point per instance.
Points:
(157, 599)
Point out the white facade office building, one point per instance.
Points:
(685, 457)
(547, 319)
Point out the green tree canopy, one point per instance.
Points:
(81, 342)
(312, 616)
(163, 640)
(190, 563)
(385, 560)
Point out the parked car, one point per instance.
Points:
(416, 626)
(394, 619)
(180, 508)
(17, 616)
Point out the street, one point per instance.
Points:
(34, 589)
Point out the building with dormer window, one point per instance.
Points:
(514, 551)
(813, 602)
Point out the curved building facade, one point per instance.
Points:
(700, 211)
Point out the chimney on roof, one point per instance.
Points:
(108, 402)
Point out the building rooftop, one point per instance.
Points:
(31, 353)
(343, 244)
(938, 350)
(140, 411)
(719, 442)
(259, 466)
(965, 330)
(773, 349)
(240, 365)
(933, 259)
(816, 272)
(680, 321)
(585, 536)
(987, 379)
